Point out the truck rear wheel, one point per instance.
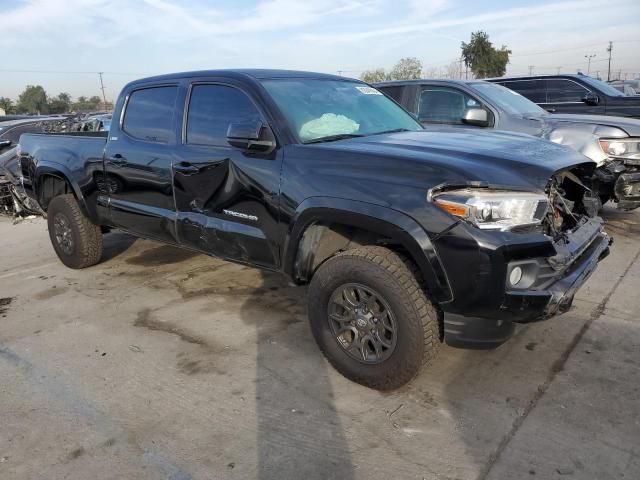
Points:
(77, 241)
(371, 317)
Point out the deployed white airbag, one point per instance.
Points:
(328, 124)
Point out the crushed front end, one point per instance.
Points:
(619, 178)
(525, 273)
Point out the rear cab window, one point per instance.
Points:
(149, 114)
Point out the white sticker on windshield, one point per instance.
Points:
(369, 91)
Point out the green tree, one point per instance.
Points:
(483, 58)
(95, 102)
(33, 100)
(85, 104)
(409, 68)
(373, 76)
(7, 105)
(60, 104)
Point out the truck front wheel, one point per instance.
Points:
(371, 318)
(77, 242)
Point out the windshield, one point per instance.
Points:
(510, 101)
(325, 110)
(603, 87)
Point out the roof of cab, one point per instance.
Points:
(446, 81)
(536, 77)
(247, 73)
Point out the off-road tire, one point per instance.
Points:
(397, 279)
(86, 245)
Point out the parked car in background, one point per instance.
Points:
(573, 94)
(13, 200)
(95, 123)
(405, 236)
(612, 142)
(628, 87)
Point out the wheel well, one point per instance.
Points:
(51, 186)
(322, 241)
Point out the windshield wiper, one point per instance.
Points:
(395, 130)
(333, 138)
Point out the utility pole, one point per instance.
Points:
(589, 64)
(609, 48)
(104, 98)
(559, 68)
(531, 69)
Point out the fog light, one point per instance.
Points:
(515, 276)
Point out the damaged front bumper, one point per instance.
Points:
(556, 284)
(546, 287)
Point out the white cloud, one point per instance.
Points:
(157, 36)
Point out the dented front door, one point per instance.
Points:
(226, 199)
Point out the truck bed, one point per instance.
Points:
(78, 155)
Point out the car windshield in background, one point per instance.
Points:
(511, 101)
(326, 110)
(603, 87)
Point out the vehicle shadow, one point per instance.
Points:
(116, 243)
(299, 433)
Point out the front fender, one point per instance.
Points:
(584, 138)
(393, 224)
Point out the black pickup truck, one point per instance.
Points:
(573, 94)
(407, 237)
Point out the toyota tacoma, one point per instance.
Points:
(407, 238)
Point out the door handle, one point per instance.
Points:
(186, 168)
(117, 159)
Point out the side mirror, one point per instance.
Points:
(477, 117)
(591, 98)
(251, 136)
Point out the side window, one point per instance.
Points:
(149, 114)
(531, 89)
(444, 105)
(561, 90)
(393, 92)
(212, 108)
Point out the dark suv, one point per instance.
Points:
(573, 94)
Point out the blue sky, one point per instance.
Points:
(55, 43)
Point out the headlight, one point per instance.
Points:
(625, 148)
(494, 209)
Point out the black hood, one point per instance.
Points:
(450, 155)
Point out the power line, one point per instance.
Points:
(526, 54)
(67, 72)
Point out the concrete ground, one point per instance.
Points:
(161, 363)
